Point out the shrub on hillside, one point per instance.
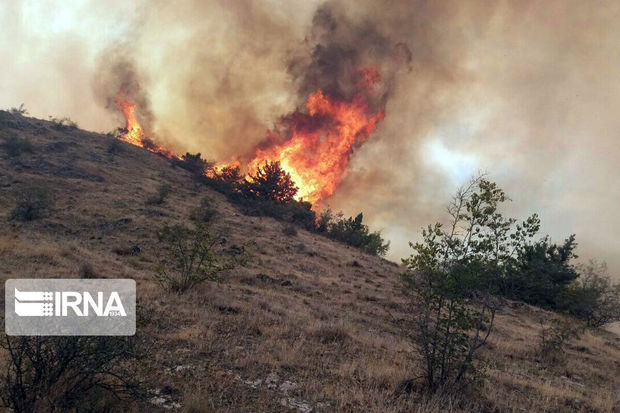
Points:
(63, 124)
(33, 202)
(354, 232)
(63, 373)
(14, 146)
(592, 297)
(190, 257)
(192, 163)
(542, 272)
(162, 193)
(553, 339)
(204, 212)
(454, 275)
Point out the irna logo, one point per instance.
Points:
(70, 307)
(63, 303)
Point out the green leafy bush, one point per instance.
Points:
(553, 339)
(190, 257)
(454, 275)
(592, 297)
(354, 232)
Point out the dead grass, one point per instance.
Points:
(300, 311)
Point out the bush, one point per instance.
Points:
(63, 124)
(87, 271)
(33, 202)
(114, 146)
(192, 163)
(554, 338)
(593, 297)
(542, 272)
(190, 257)
(271, 183)
(352, 231)
(289, 230)
(162, 193)
(61, 373)
(454, 275)
(14, 146)
(204, 212)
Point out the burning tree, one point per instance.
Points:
(272, 183)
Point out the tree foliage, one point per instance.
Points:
(455, 273)
(272, 183)
(190, 257)
(352, 231)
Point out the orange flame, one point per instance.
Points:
(317, 153)
(134, 133)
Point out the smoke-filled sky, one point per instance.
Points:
(526, 90)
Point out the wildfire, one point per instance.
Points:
(133, 132)
(313, 145)
(317, 153)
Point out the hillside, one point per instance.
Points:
(309, 324)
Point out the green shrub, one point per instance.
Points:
(553, 339)
(162, 193)
(352, 231)
(542, 272)
(592, 297)
(190, 257)
(454, 275)
(33, 202)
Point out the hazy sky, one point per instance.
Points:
(526, 90)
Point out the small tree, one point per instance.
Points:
(454, 274)
(542, 272)
(190, 257)
(33, 202)
(272, 183)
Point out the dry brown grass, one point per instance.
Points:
(308, 322)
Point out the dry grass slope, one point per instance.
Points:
(308, 324)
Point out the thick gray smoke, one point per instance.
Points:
(525, 90)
